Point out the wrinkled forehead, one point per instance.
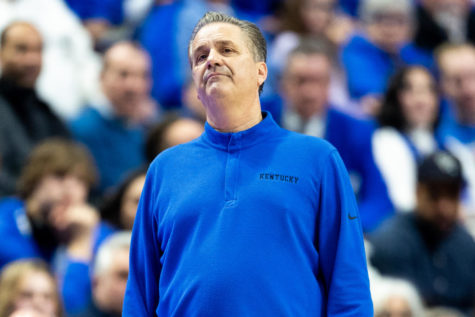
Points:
(219, 32)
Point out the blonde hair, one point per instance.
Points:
(10, 278)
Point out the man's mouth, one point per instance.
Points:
(211, 75)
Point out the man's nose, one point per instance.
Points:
(214, 59)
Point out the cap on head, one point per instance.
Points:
(440, 167)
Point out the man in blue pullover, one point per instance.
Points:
(249, 219)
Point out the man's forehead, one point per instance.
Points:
(458, 60)
(218, 32)
(306, 62)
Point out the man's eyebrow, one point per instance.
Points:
(199, 49)
(203, 47)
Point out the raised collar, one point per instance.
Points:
(237, 140)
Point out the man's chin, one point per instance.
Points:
(216, 91)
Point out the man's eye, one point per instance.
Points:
(200, 58)
(227, 50)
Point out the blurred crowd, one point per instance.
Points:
(91, 91)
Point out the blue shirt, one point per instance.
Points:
(117, 148)
(368, 67)
(110, 10)
(450, 127)
(261, 222)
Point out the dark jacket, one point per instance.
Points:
(25, 120)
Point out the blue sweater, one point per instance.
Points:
(261, 222)
(117, 148)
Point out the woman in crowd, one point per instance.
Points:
(119, 209)
(29, 286)
(408, 121)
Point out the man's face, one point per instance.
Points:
(419, 101)
(53, 195)
(306, 83)
(223, 65)
(130, 201)
(438, 204)
(458, 81)
(390, 31)
(109, 288)
(317, 15)
(21, 56)
(126, 80)
(36, 291)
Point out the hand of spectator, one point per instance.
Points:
(371, 105)
(77, 224)
(145, 112)
(46, 197)
(340, 29)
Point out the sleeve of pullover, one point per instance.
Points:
(142, 292)
(340, 244)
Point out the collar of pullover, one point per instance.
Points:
(261, 132)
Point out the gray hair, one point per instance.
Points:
(311, 45)
(368, 9)
(257, 46)
(105, 255)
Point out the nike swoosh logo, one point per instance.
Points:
(351, 217)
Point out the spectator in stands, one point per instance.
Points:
(457, 128)
(120, 207)
(429, 247)
(305, 19)
(171, 131)
(25, 119)
(71, 67)
(114, 130)
(407, 133)
(28, 288)
(457, 70)
(379, 50)
(395, 297)
(305, 86)
(51, 218)
(444, 21)
(111, 269)
(110, 20)
(317, 18)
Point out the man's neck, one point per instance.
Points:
(226, 118)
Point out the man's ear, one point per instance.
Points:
(261, 73)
